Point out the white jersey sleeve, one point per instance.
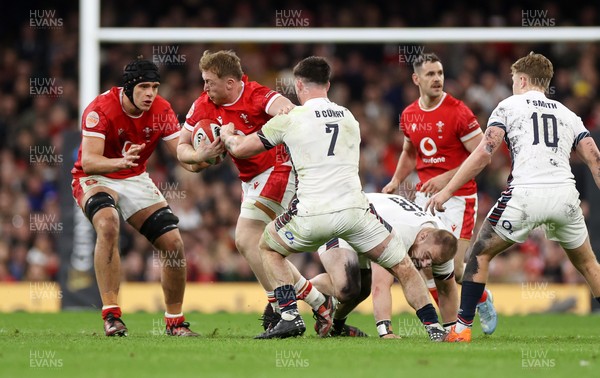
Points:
(443, 271)
(272, 132)
(540, 135)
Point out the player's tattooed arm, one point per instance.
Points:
(241, 146)
(230, 140)
(588, 152)
(492, 139)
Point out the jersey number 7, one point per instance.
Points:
(332, 128)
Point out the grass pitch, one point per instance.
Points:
(73, 345)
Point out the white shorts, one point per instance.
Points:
(521, 209)
(459, 216)
(361, 228)
(363, 261)
(268, 194)
(135, 193)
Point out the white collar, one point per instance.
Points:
(435, 107)
(316, 100)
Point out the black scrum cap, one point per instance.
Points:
(138, 71)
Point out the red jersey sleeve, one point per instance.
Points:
(262, 97)
(467, 126)
(94, 123)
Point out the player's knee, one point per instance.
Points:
(97, 202)
(354, 292)
(246, 242)
(159, 223)
(107, 226)
(242, 245)
(270, 244)
(106, 223)
(349, 291)
(175, 247)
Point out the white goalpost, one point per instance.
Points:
(92, 36)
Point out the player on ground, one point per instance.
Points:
(430, 244)
(267, 178)
(120, 130)
(323, 141)
(540, 134)
(439, 133)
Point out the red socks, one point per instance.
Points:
(173, 321)
(483, 297)
(434, 294)
(116, 311)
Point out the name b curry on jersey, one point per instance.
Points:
(105, 118)
(248, 113)
(438, 135)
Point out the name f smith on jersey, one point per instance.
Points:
(540, 135)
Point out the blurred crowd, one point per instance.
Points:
(39, 104)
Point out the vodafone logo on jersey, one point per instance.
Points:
(429, 148)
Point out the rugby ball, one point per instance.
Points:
(206, 131)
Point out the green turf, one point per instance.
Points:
(73, 345)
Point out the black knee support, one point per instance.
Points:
(96, 202)
(160, 222)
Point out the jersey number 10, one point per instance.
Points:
(548, 120)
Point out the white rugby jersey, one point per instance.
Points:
(323, 141)
(405, 217)
(540, 134)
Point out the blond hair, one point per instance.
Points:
(448, 242)
(537, 67)
(222, 63)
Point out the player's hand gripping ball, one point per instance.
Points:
(205, 132)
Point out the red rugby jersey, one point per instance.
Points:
(248, 113)
(438, 135)
(105, 118)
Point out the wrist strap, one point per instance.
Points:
(384, 327)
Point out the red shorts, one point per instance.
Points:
(459, 216)
(268, 194)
